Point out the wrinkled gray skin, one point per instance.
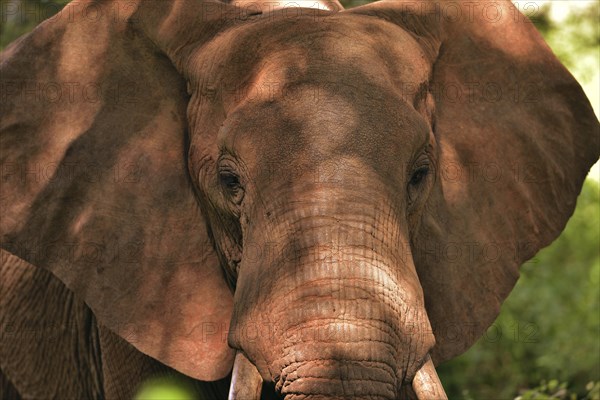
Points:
(304, 188)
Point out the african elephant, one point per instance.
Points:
(338, 200)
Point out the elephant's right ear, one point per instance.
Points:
(95, 185)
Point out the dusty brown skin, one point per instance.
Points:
(337, 195)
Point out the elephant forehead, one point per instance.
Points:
(304, 91)
(311, 126)
(339, 74)
(262, 59)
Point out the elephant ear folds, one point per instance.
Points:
(95, 186)
(516, 137)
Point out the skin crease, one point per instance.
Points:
(290, 195)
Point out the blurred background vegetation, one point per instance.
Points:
(546, 342)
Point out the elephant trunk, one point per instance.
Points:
(328, 302)
(338, 311)
(345, 333)
(351, 377)
(246, 383)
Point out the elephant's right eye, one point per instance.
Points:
(419, 175)
(417, 182)
(230, 182)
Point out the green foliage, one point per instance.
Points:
(576, 42)
(354, 3)
(165, 388)
(554, 390)
(549, 327)
(18, 17)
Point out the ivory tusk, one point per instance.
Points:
(427, 385)
(246, 382)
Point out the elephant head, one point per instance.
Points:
(342, 197)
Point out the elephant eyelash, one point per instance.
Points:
(417, 180)
(419, 175)
(230, 182)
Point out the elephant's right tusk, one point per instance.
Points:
(246, 382)
(427, 385)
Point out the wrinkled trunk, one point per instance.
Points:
(337, 311)
(246, 384)
(342, 337)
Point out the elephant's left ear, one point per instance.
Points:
(515, 136)
(95, 185)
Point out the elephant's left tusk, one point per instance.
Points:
(246, 382)
(427, 385)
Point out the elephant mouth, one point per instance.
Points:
(246, 381)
